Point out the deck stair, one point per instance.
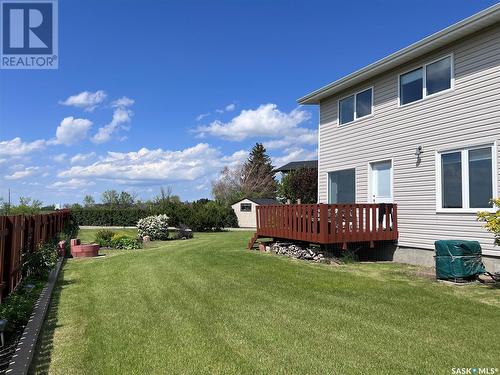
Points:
(251, 243)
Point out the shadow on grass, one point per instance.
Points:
(45, 344)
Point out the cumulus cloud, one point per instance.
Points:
(121, 116)
(73, 184)
(86, 100)
(302, 136)
(265, 121)
(154, 165)
(71, 130)
(122, 102)
(80, 158)
(29, 171)
(16, 147)
(295, 154)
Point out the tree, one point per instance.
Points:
(27, 205)
(300, 184)
(88, 201)
(258, 175)
(126, 199)
(227, 189)
(110, 197)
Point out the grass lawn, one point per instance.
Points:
(206, 305)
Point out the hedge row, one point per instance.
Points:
(199, 216)
(120, 217)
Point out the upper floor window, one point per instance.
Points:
(355, 106)
(424, 81)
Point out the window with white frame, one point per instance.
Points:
(426, 80)
(355, 106)
(466, 178)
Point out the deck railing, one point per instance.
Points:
(328, 223)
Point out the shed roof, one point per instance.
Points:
(261, 201)
(294, 165)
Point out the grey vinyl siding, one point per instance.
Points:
(468, 115)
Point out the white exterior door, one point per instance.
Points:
(381, 182)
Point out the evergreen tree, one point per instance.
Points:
(258, 176)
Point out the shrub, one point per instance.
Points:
(104, 238)
(208, 216)
(156, 227)
(107, 217)
(17, 307)
(37, 264)
(71, 228)
(183, 233)
(124, 242)
(492, 220)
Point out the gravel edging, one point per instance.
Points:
(25, 350)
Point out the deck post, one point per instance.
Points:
(323, 223)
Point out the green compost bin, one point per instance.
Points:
(457, 259)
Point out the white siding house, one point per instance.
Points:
(420, 128)
(246, 210)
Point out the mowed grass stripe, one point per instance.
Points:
(208, 306)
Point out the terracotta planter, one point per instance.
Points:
(79, 250)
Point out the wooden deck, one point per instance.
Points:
(328, 223)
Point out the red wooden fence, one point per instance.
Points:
(328, 223)
(20, 233)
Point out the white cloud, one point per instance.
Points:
(59, 158)
(16, 147)
(122, 102)
(265, 121)
(29, 171)
(86, 100)
(202, 116)
(230, 107)
(295, 154)
(303, 136)
(80, 158)
(154, 165)
(121, 116)
(74, 183)
(71, 130)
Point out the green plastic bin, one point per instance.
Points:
(457, 259)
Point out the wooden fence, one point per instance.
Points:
(20, 233)
(328, 223)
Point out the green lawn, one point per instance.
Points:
(208, 306)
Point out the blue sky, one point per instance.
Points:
(152, 93)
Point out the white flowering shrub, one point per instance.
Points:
(156, 227)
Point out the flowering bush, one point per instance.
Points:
(492, 220)
(156, 227)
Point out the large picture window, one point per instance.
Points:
(342, 186)
(424, 81)
(355, 106)
(466, 178)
